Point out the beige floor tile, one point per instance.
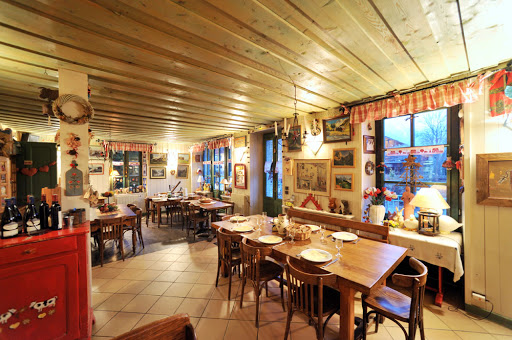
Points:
(193, 307)
(197, 267)
(161, 265)
(200, 291)
(99, 298)
(397, 334)
(211, 268)
(194, 321)
(134, 287)
(456, 320)
(474, 336)
(433, 321)
(150, 274)
(494, 328)
(130, 274)
(149, 318)
(168, 276)
(207, 277)
(247, 312)
(97, 283)
(101, 317)
(272, 310)
(238, 329)
(170, 257)
(188, 277)
(119, 324)
(118, 264)
(435, 334)
(203, 259)
(211, 329)
(302, 331)
(218, 309)
(249, 294)
(140, 304)
(116, 302)
(101, 338)
(502, 337)
(166, 305)
(112, 286)
(150, 257)
(106, 273)
(179, 266)
(178, 289)
(156, 288)
(271, 330)
(140, 264)
(185, 258)
(221, 292)
(178, 250)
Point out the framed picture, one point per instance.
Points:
(182, 171)
(144, 170)
(96, 168)
(343, 158)
(3, 166)
(3, 178)
(240, 176)
(197, 158)
(240, 142)
(313, 176)
(294, 139)
(369, 144)
(157, 172)
(3, 190)
(344, 182)
(183, 158)
(494, 179)
(158, 158)
(96, 152)
(337, 129)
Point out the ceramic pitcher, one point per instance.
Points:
(281, 222)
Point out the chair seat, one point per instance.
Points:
(269, 270)
(386, 299)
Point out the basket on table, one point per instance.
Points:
(302, 232)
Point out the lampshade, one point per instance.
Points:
(224, 181)
(200, 179)
(114, 173)
(429, 198)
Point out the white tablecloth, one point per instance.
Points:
(440, 250)
(136, 198)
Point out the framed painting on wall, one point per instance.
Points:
(343, 158)
(313, 176)
(158, 158)
(294, 140)
(337, 129)
(369, 144)
(240, 176)
(183, 158)
(494, 179)
(96, 152)
(344, 182)
(157, 172)
(96, 169)
(197, 158)
(182, 171)
(240, 142)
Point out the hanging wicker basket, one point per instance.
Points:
(87, 112)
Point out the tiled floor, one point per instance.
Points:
(181, 279)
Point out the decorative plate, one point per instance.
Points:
(316, 255)
(345, 236)
(270, 239)
(243, 228)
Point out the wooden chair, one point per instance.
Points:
(138, 224)
(309, 293)
(196, 217)
(176, 327)
(173, 208)
(228, 254)
(259, 271)
(221, 213)
(111, 229)
(397, 306)
(150, 210)
(185, 214)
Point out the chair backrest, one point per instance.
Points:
(416, 283)
(137, 212)
(224, 244)
(111, 228)
(302, 288)
(251, 258)
(176, 327)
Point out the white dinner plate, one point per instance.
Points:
(207, 203)
(243, 228)
(316, 255)
(270, 239)
(238, 219)
(313, 227)
(345, 236)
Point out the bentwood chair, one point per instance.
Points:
(176, 327)
(228, 255)
(111, 229)
(258, 270)
(150, 210)
(397, 306)
(309, 293)
(196, 217)
(185, 218)
(138, 224)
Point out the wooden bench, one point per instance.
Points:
(176, 327)
(370, 231)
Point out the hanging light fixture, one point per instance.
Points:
(295, 127)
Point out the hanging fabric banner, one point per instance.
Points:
(122, 146)
(420, 150)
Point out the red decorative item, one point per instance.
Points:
(28, 171)
(312, 199)
(44, 168)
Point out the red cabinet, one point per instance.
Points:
(44, 286)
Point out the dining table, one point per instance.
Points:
(123, 211)
(363, 266)
(212, 206)
(158, 202)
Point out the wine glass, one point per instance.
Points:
(339, 245)
(322, 233)
(237, 218)
(291, 232)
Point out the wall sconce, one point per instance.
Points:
(314, 140)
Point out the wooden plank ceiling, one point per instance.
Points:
(188, 70)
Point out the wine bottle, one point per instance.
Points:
(44, 213)
(8, 224)
(56, 214)
(32, 222)
(17, 214)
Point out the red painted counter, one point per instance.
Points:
(44, 286)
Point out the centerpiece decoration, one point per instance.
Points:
(108, 194)
(375, 210)
(108, 207)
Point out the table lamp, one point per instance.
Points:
(200, 180)
(430, 201)
(225, 182)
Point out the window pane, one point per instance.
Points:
(431, 128)
(279, 169)
(432, 169)
(118, 165)
(393, 169)
(396, 203)
(269, 179)
(397, 132)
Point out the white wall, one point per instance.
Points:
(487, 229)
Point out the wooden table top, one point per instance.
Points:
(363, 265)
(215, 205)
(164, 199)
(123, 211)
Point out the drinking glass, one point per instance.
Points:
(291, 232)
(237, 217)
(339, 245)
(322, 233)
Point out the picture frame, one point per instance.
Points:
(294, 140)
(96, 152)
(337, 129)
(494, 179)
(183, 158)
(240, 142)
(3, 178)
(369, 145)
(157, 172)
(312, 176)
(3, 166)
(182, 171)
(197, 158)
(344, 182)
(344, 158)
(157, 158)
(144, 170)
(240, 176)
(96, 168)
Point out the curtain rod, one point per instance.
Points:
(115, 141)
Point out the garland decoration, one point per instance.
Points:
(73, 141)
(87, 110)
(32, 171)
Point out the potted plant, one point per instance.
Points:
(375, 210)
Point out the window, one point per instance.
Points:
(425, 129)
(126, 166)
(218, 168)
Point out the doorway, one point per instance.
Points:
(272, 174)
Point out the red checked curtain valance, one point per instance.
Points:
(198, 147)
(219, 143)
(465, 91)
(120, 146)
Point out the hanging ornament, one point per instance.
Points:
(448, 163)
(87, 112)
(73, 141)
(74, 180)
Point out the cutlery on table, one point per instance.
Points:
(328, 264)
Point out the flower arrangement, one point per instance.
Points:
(378, 196)
(108, 207)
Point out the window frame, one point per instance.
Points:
(126, 163)
(210, 153)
